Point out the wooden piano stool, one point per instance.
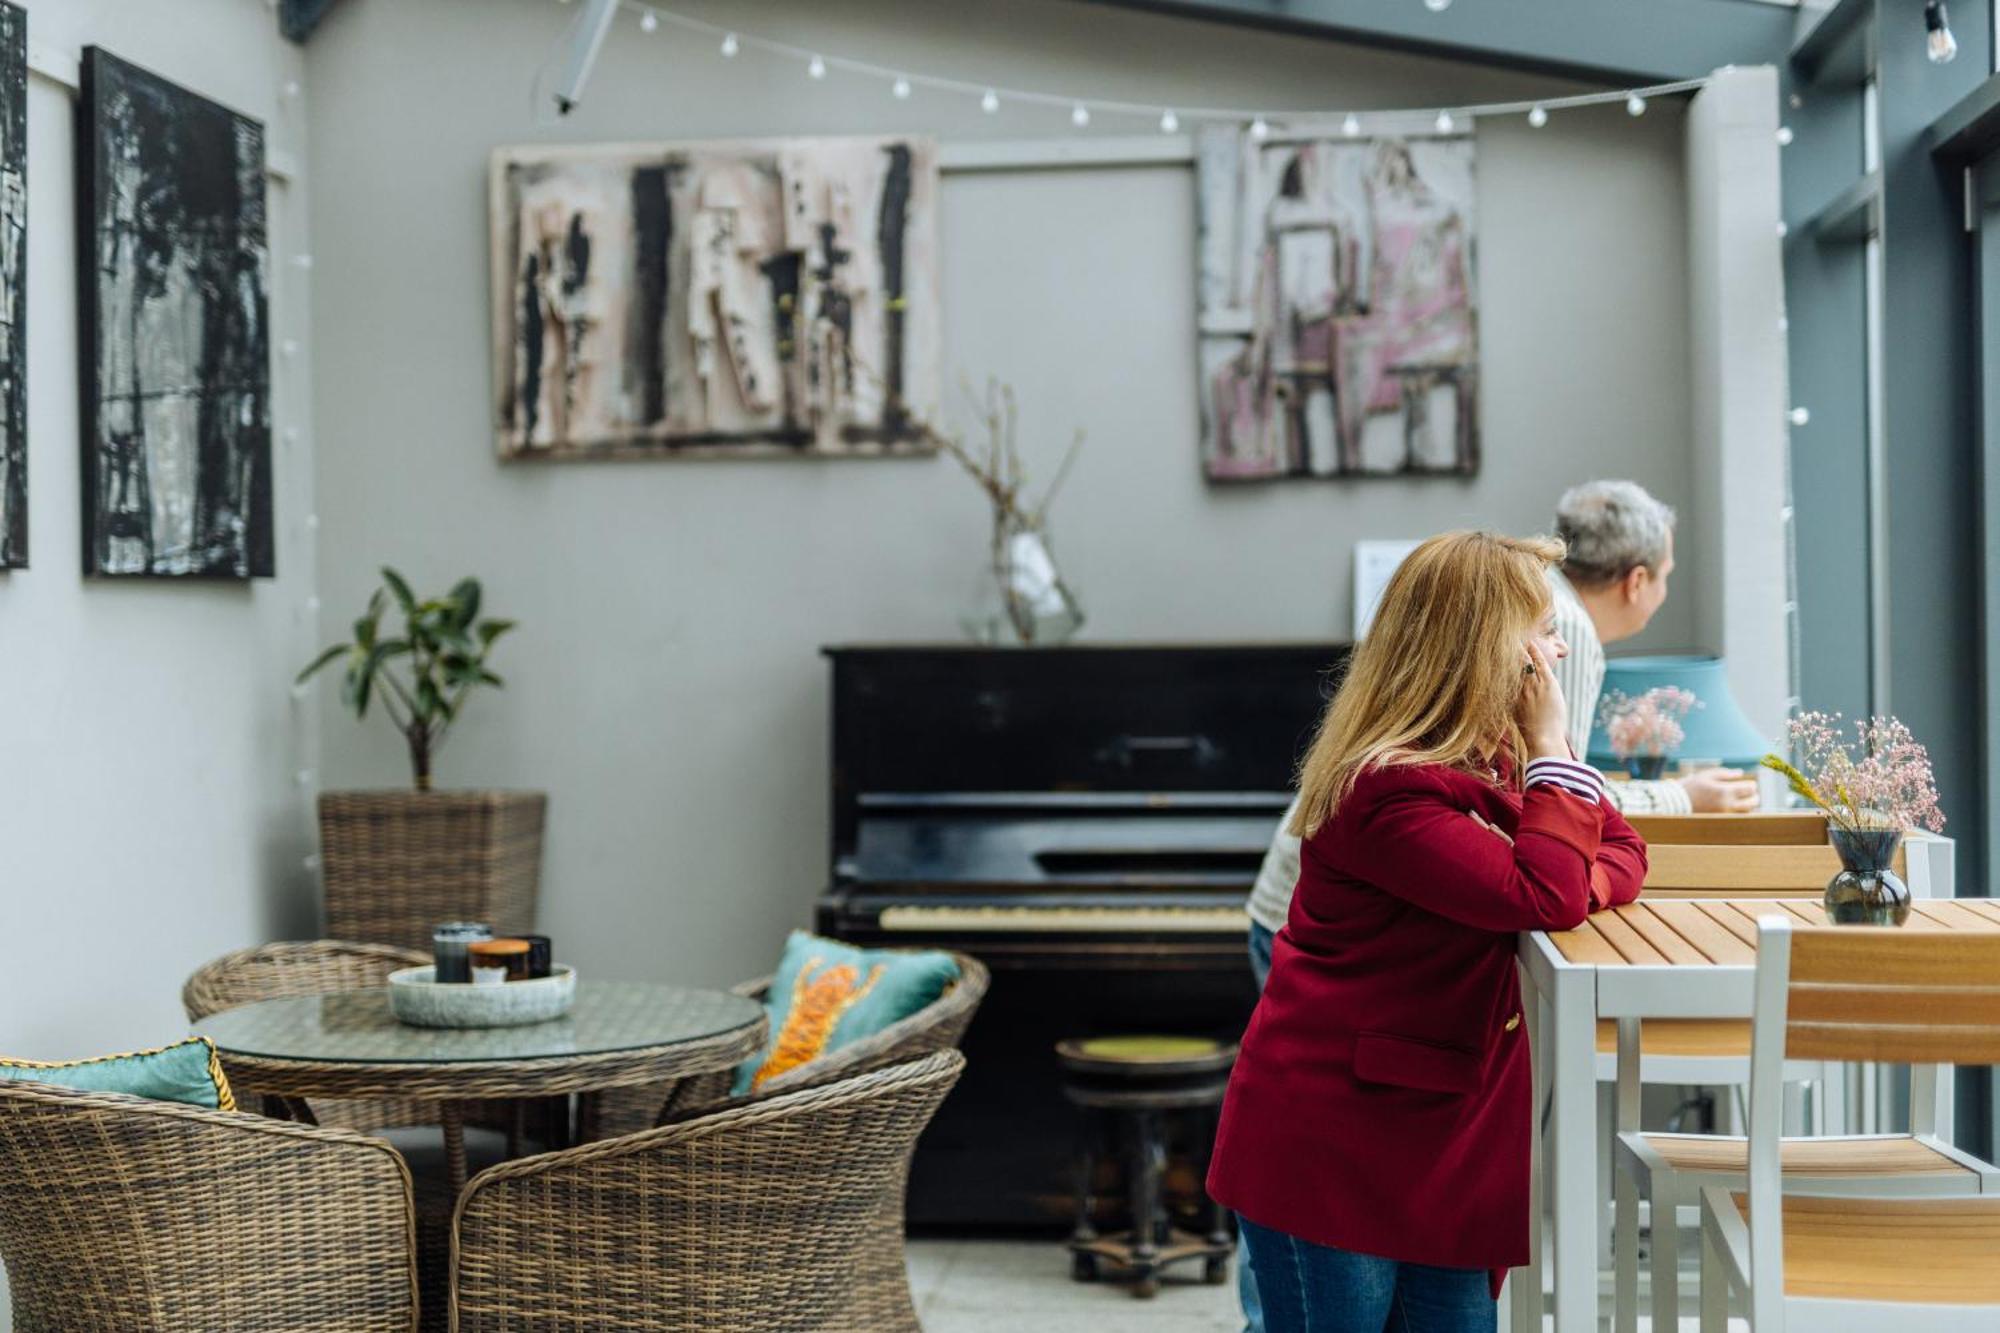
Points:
(1141, 1080)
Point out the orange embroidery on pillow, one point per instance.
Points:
(818, 1004)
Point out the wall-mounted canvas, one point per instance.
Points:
(13, 287)
(715, 298)
(176, 372)
(1339, 328)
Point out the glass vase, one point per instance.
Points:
(1646, 767)
(1021, 598)
(1866, 892)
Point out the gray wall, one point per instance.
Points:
(147, 805)
(665, 687)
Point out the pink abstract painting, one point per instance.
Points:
(1339, 329)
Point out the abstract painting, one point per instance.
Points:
(13, 287)
(176, 339)
(770, 297)
(1339, 334)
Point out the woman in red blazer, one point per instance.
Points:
(1375, 1136)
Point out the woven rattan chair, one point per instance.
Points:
(883, 1291)
(754, 1218)
(151, 1217)
(308, 967)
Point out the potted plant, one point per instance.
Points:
(1871, 800)
(1645, 731)
(397, 863)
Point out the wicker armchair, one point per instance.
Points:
(755, 1218)
(308, 967)
(151, 1217)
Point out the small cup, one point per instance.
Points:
(448, 945)
(541, 959)
(508, 954)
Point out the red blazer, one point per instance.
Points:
(1381, 1102)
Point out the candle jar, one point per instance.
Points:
(448, 945)
(541, 958)
(507, 957)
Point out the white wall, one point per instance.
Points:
(147, 807)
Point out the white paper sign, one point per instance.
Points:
(1374, 562)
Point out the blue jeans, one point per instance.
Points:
(1246, 1281)
(1311, 1288)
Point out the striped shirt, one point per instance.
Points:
(1581, 676)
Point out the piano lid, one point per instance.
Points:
(1060, 762)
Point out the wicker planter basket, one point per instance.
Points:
(399, 862)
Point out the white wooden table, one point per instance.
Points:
(1667, 958)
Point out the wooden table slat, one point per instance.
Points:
(1585, 945)
(1660, 933)
(1631, 946)
(1951, 914)
(1697, 926)
(1724, 914)
(1985, 907)
(1806, 910)
(1922, 920)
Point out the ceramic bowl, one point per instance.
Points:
(418, 1000)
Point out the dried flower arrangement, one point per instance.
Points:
(1649, 725)
(1888, 786)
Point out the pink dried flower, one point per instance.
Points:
(1888, 785)
(1649, 724)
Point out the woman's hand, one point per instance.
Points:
(1542, 712)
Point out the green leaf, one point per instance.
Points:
(489, 678)
(466, 598)
(337, 651)
(399, 586)
(364, 632)
(429, 702)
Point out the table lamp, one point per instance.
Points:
(1716, 730)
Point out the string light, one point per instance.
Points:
(1784, 136)
(1798, 416)
(1169, 122)
(1083, 109)
(1939, 44)
(1783, 230)
(901, 89)
(1260, 129)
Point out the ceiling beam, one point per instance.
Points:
(1601, 41)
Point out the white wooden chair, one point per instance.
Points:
(1892, 1250)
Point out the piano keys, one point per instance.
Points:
(1087, 821)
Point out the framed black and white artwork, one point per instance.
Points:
(13, 287)
(176, 374)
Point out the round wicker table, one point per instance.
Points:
(618, 1034)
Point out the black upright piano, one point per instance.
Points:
(1087, 821)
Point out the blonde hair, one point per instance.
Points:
(1436, 679)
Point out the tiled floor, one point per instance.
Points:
(1004, 1286)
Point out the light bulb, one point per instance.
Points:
(649, 22)
(1784, 324)
(1784, 136)
(901, 88)
(1437, 6)
(1635, 105)
(291, 87)
(1351, 127)
(1444, 122)
(1079, 115)
(817, 69)
(990, 102)
(1939, 44)
(1169, 122)
(1798, 416)
(290, 347)
(1259, 129)
(1538, 116)
(311, 863)
(1783, 230)
(729, 46)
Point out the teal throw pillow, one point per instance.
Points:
(827, 994)
(188, 1071)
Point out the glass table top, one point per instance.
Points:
(357, 1026)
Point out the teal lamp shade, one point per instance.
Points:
(1716, 730)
